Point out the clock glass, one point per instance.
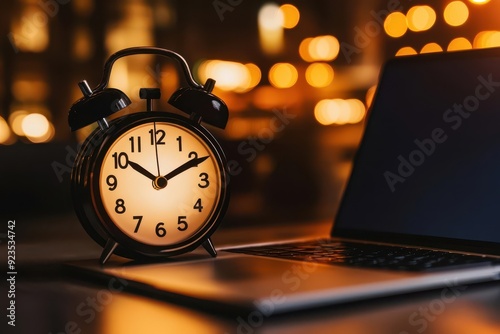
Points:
(159, 183)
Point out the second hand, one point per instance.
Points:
(156, 149)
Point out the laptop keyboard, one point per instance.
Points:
(329, 251)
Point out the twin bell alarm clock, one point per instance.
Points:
(150, 184)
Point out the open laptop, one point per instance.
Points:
(421, 209)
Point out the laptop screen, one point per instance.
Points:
(429, 161)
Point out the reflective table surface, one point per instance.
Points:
(47, 300)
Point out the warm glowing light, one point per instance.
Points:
(339, 111)
(283, 75)
(431, 47)
(326, 112)
(120, 78)
(45, 138)
(459, 43)
(255, 75)
(15, 121)
(370, 94)
(35, 125)
(456, 13)
(324, 48)
(267, 97)
(270, 22)
(319, 75)
(291, 16)
(357, 110)
(83, 47)
(30, 30)
(479, 2)
(395, 24)
(270, 17)
(230, 76)
(30, 88)
(487, 39)
(304, 49)
(5, 133)
(133, 27)
(420, 18)
(406, 51)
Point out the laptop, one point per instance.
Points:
(421, 209)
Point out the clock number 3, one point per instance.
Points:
(204, 180)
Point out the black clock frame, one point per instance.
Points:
(86, 194)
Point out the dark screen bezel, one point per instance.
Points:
(465, 245)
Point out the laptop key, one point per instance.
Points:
(367, 255)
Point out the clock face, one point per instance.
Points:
(159, 183)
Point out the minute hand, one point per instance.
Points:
(182, 168)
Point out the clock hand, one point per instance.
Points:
(182, 168)
(141, 170)
(156, 148)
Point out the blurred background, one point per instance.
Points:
(298, 78)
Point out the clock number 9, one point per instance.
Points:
(112, 182)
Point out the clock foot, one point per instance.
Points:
(108, 251)
(209, 247)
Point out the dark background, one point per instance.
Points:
(295, 174)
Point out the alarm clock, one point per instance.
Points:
(150, 184)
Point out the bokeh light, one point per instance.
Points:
(283, 75)
(270, 23)
(339, 111)
(324, 48)
(479, 2)
(420, 18)
(319, 75)
(304, 49)
(487, 39)
(406, 51)
(229, 75)
(35, 125)
(431, 47)
(15, 121)
(255, 75)
(395, 24)
(459, 43)
(456, 13)
(291, 16)
(5, 133)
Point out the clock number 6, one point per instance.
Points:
(160, 230)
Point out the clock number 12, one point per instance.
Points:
(160, 133)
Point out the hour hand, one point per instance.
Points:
(142, 170)
(182, 168)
